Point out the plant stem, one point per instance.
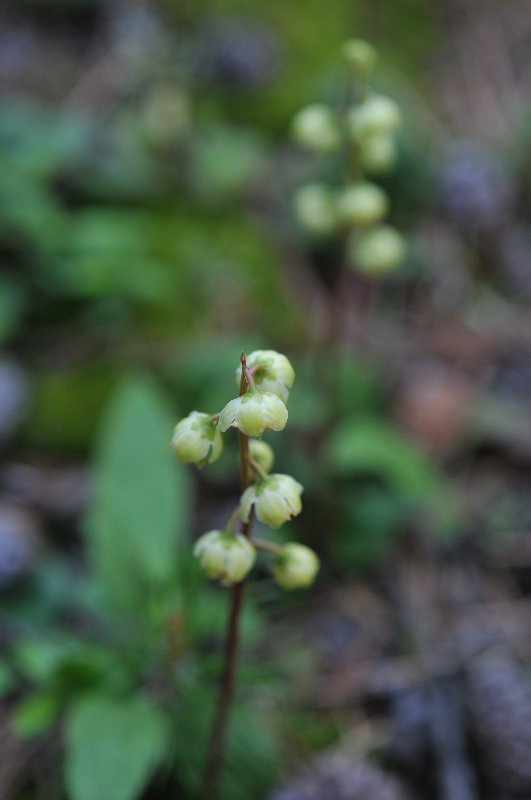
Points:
(216, 745)
(262, 474)
(269, 547)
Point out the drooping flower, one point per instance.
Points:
(197, 439)
(375, 115)
(272, 372)
(377, 251)
(276, 499)
(315, 127)
(296, 566)
(225, 555)
(253, 412)
(262, 453)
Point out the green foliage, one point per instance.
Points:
(35, 714)
(67, 406)
(224, 161)
(113, 746)
(370, 520)
(139, 510)
(12, 302)
(251, 754)
(370, 446)
(7, 679)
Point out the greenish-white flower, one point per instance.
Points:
(262, 453)
(361, 204)
(276, 499)
(196, 439)
(273, 372)
(296, 566)
(375, 115)
(253, 412)
(315, 210)
(225, 555)
(377, 251)
(378, 153)
(316, 128)
(360, 55)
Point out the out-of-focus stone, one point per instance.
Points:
(57, 491)
(19, 542)
(432, 405)
(14, 395)
(336, 777)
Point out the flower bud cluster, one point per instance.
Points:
(366, 132)
(265, 378)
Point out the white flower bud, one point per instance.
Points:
(375, 115)
(225, 555)
(276, 499)
(362, 204)
(253, 412)
(315, 210)
(274, 372)
(196, 439)
(378, 153)
(377, 251)
(262, 453)
(360, 55)
(315, 127)
(295, 567)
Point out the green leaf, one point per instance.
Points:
(139, 508)
(35, 714)
(112, 747)
(371, 446)
(12, 302)
(7, 679)
(39, 657)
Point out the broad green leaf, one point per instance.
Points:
(139, 507)
(112, 747)
(372, 446)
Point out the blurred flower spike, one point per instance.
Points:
(348, 217)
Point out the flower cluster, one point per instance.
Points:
(366, 132)
(265, 378)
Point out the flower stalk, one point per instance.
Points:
(216, 745)
(228, 555)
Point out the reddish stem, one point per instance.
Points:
(216, 745)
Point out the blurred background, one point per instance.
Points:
(147, 237)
